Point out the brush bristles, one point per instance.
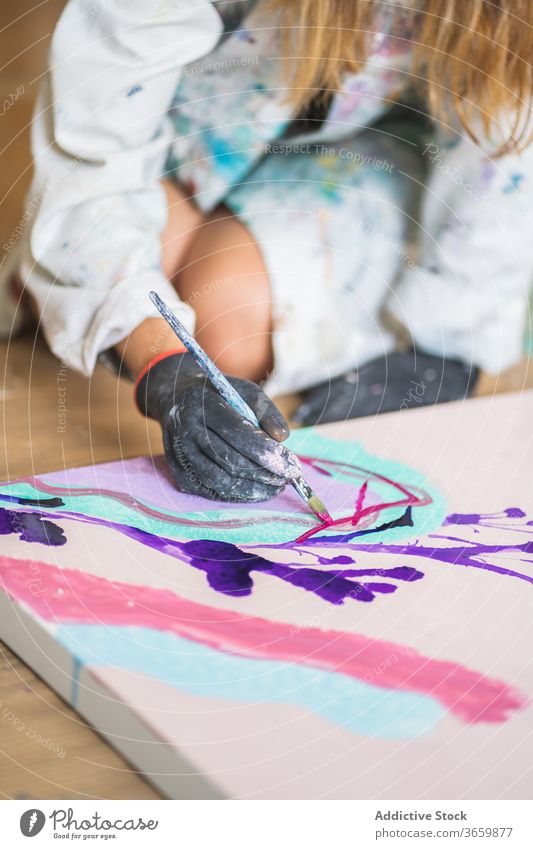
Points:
(319, 509)
(313, 501)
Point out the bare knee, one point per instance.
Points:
(242, 353)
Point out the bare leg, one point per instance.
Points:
(225, 280)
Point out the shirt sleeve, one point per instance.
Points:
(100, 140)
(467, 297)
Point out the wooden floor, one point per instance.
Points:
(101, 424)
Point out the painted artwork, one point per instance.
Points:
(211, 622)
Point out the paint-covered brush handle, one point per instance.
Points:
(219, 381)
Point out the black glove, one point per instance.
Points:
(211, 450)
(394, 382)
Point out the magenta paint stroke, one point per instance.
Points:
(456, 550)
(71, 596)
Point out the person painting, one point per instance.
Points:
(267, 168)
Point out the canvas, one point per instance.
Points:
(243, 651)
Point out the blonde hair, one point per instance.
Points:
(470, 55)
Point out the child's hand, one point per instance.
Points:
(210, 449)
(398, 381)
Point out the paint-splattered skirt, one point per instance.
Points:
(331, 221)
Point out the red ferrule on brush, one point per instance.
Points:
(152, 362)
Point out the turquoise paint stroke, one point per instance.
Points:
(306, 442)
(358, 707)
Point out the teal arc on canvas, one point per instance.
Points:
(150, 503)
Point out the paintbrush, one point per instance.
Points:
(232, 397)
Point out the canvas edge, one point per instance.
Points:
(111, 719)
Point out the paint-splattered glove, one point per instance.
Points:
(210, 449)
(394, 382)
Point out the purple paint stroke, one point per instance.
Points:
(462, 555)
(31, 527)
(478, 518)
(228, 569)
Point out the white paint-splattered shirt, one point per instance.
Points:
(135, 87)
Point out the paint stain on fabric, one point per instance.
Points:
(515, 181)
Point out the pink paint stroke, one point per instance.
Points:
(140, 507)
(359, 503)
(68, 595)
(410, 498)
